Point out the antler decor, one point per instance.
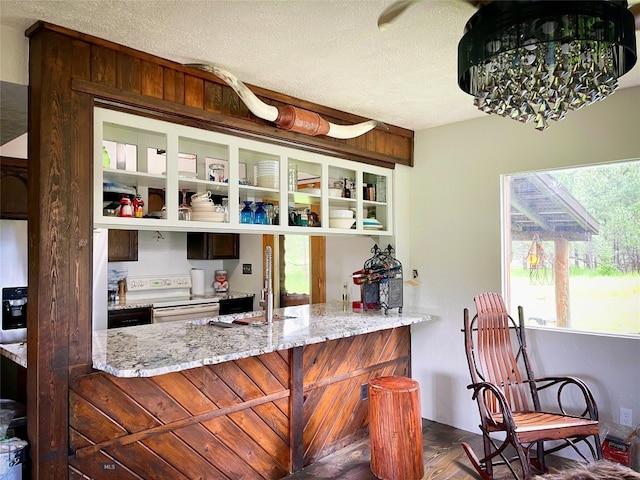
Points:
(289, 118)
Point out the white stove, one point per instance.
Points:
(171, 298)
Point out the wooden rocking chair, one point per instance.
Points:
(510, 401)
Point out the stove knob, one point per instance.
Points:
(167, 282)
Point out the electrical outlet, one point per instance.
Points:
(246, 269)
(364, 391)
(626, 417)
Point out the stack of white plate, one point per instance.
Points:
(341, 219)
(268, 175)
(204, 210)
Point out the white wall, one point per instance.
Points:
(15, 54)
(345, 255)
(451, 225)
(13, 253)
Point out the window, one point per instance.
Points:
(572, 247)
(295, 272)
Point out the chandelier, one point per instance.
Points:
(535, 60)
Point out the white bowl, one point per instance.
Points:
(341, 222)
(207, 217)
(310, 191)
(341, 214)
(335, 192)
(268, 181)
(203, 208)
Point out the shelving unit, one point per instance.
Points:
(153, 154)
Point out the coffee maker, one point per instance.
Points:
(14, 315)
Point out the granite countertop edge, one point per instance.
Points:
(157, 349)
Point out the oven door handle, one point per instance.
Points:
(159, 312)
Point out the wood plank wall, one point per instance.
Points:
(168, 89)
(233, 420)
(69, 73)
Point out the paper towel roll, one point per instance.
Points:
(197, 281)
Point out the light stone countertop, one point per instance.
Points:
(16, 352)
(150, 350)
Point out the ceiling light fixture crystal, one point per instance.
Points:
(535, 60)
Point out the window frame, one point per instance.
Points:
(507, 253)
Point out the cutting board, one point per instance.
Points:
(249, 320)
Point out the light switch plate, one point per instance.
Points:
(626, 415)
(246, 269)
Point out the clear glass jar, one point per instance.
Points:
(216, 172)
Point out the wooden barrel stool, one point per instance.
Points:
(395, 428)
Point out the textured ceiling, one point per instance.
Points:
(13, 117)
(327, 52)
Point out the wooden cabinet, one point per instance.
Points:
(213, 246)
(13, 188)
(123, 245)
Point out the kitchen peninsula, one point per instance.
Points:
(188, 399)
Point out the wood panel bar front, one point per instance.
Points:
(258, 417)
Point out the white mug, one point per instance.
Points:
(201, 196)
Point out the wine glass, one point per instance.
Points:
(260, 215)
(184, 211)
(246, 215)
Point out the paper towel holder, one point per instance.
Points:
(197, 281)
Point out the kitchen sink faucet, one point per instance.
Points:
(266, 297)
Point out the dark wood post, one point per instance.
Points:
(60, 242)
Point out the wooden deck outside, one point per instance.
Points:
(444, 458)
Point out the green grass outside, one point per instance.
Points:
(297, 264)
(597, 303)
